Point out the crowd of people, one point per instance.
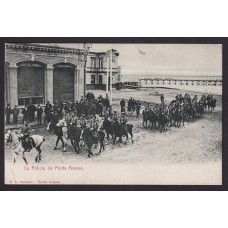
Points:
(89, 106)
(132, 106)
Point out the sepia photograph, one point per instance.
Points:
(113, 114)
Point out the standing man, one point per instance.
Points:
(32, 110)
(25, 114)
(8, 113)
(15, 114)
(47, 111)
(138, 106)
(162, 99)
(39, 114)
(122, 104)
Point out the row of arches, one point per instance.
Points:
(32, 82)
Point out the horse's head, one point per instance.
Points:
(8, 136)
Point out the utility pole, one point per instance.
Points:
(107, 66)
(87, 47)
(110, 109)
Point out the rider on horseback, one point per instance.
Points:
(24, 134)
(123, 121)
(147, 108)
(94, 126)
(114, 117)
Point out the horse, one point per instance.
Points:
(178, 117)
(16, 141)
(74, 134)
(163, 119)
(120, 130)
(107, 127)
(190, 111)
(200, 109)
(211, 104)
(151, 116)
(89, 139)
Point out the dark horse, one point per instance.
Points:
(74, 134)
(211, 104)
(107, 126)
(119, 130)
(163, 120)
(151, 117)
(178, 117)
(90, 139)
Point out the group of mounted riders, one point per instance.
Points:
(89, 129)
(78, 125)
(182, 109)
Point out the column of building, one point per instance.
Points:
(12, 85)
(49, 83)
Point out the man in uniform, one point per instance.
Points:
(162, 98)
(25, 132)
(122, 105)
(25, 114)
(47, 111)
(138, 106)
(8, 113)
(114, 117)
(74, 119)
(147, 108)
(39, 114)
(32, 111)
(123, 121)
(15, 114)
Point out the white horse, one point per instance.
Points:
(17, 147)
(63, 124)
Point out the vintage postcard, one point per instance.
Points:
(113, 114)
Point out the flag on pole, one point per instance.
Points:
(141, 52)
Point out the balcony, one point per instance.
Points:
(100, 70)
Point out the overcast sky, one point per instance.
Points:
(194, 59)
(182, 59)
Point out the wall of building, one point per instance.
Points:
(47, 56)
(209, 86)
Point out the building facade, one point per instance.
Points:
(37, 73)
(174, 81)
(96, 70)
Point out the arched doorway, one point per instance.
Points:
(63, 82)
(30, 83)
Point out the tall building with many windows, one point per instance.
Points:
(96, 70)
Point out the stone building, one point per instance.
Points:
(37, 73)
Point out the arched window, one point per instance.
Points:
(30, 83)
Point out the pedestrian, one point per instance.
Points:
(122, 105)
(162, 99)
(39, 114)
(25, 114)
(47, 111)
(8, 113)
(138, 106)
(32, 111)
(133, 105)
(15, 114)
